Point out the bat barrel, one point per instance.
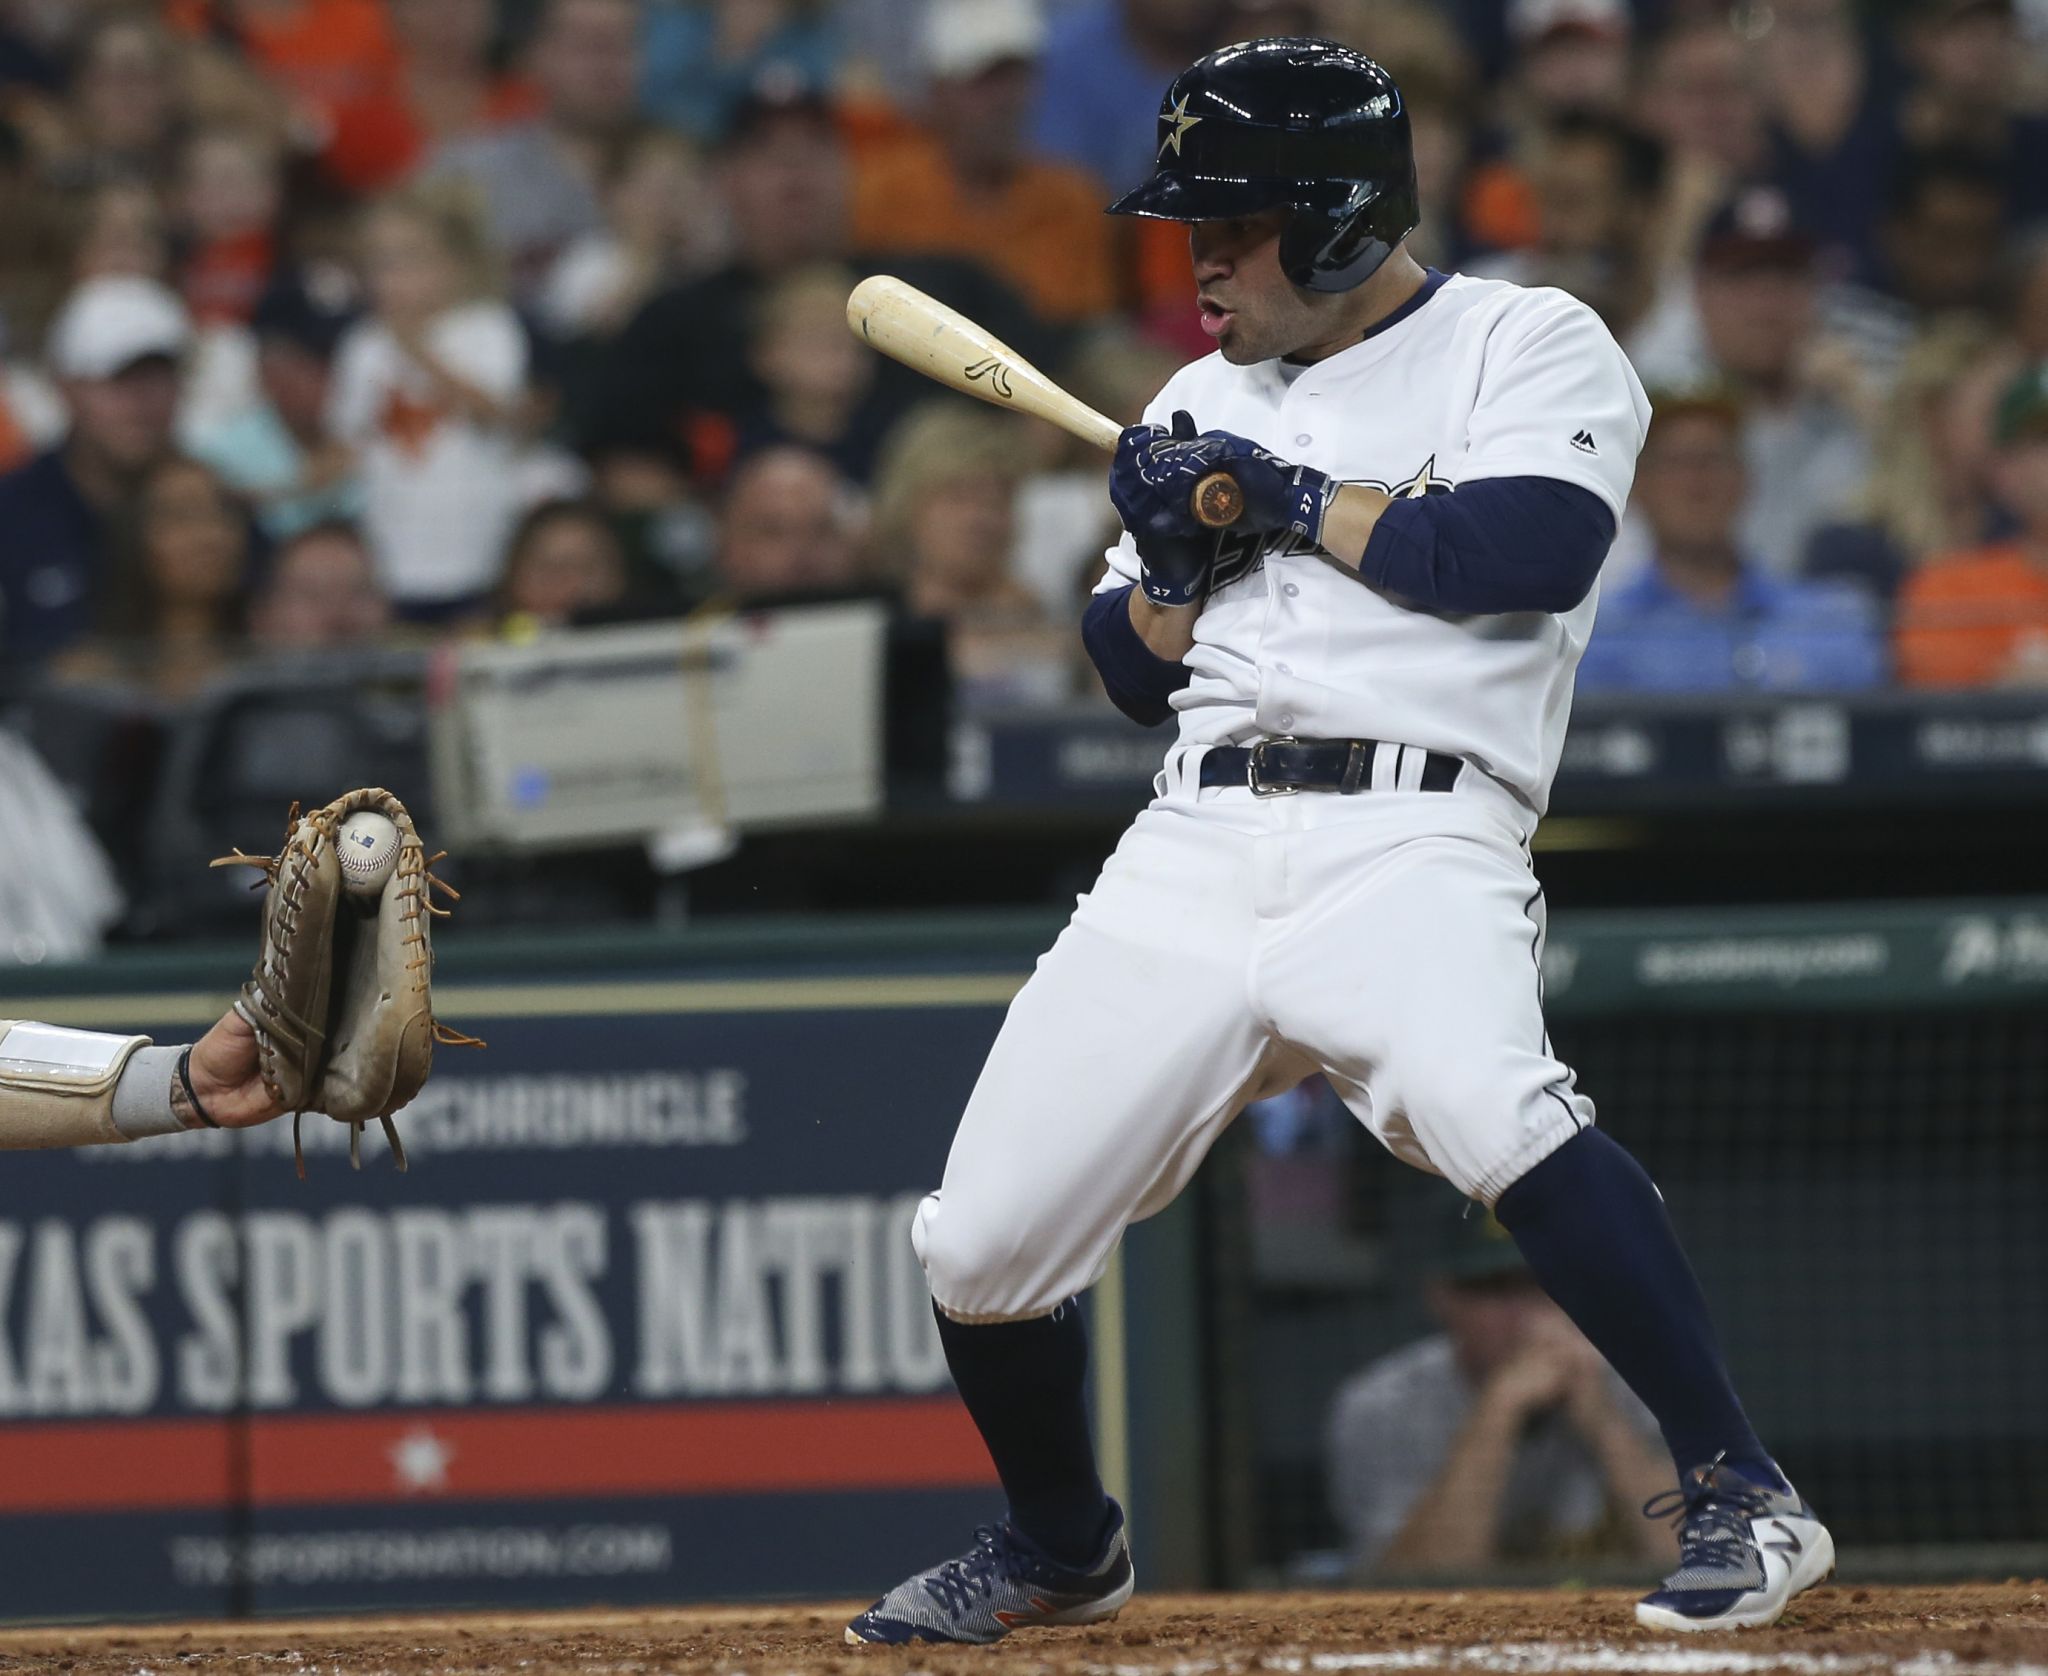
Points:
(928, 337)
(943, 344)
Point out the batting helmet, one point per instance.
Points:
(1307, 124)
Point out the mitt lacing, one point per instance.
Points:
(417, 898)
(291, 896)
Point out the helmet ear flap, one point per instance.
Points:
(1341, 247)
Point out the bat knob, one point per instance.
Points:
(1218, 502)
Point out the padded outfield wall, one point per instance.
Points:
(642, 1324)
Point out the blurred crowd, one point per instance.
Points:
(337, 323)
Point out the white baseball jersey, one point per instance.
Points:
(1390, 939)
(1477, 379)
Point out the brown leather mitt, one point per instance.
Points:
(339, 997)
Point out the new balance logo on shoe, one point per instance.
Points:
(1791, 1544)
(1583, 442)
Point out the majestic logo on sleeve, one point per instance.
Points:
(1240, 554)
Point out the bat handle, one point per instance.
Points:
(1217, 501)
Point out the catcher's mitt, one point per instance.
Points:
(339, 997)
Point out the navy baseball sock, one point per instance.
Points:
(1595, 1232)
(1025, 1384)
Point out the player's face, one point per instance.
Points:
(1252, 309)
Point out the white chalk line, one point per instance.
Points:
(1531, 1658)
(1551, 1658)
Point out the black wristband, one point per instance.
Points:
(185, 1081)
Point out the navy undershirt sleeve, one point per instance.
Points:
(1500, 544)
(1139, 682)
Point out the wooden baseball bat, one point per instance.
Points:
(928, 337)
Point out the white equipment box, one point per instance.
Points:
(612, 735)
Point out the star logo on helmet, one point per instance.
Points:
(1181, 121)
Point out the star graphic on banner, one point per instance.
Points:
(1182, 122)
(419, 1460)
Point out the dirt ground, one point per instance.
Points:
(1975, 1630)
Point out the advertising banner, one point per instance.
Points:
(642, 1321)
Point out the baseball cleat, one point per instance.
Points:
(1743, 1552)
(1003, 1582)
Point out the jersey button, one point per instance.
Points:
(1303, 440)
(1290, 590)
(1284, 668)
(1287, 718)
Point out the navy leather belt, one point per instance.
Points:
(1279, 767)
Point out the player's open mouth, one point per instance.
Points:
(1216, 318)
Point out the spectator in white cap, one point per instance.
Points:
(116, 349)
(970, 186)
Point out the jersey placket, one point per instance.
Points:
(1293, 437)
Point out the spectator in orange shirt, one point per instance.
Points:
(230, 189)
(321, 55)
(969, 187)
(443, 87)
(1979, 617)
(1571, 57)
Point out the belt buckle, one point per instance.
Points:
(1251, 768)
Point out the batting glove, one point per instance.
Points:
(1153, 496)
(1278, 494)
(1153, 478)
(1174, 569)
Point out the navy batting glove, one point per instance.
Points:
(1152, 480)
(1278, 495)
(1174, 569)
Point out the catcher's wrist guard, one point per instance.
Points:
(340, 997)
(57, 1085)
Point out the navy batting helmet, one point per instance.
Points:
(1307, 124)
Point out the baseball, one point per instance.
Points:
(368, 843)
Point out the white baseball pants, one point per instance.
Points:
(1231, 946)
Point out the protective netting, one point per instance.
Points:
(1861, 1193)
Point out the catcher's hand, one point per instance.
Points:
(339, 1002)
(226, 1077)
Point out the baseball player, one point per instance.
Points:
(62, 1087)
(1372, 672)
